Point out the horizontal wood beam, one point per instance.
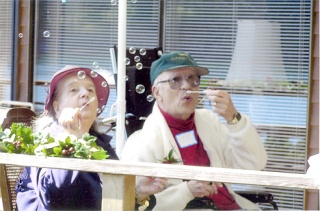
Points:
(235, 176)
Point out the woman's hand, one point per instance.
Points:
(70, 120)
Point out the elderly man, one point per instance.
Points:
(192, 137)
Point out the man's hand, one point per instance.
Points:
(202, 188)
(222, 103)
(147, 186)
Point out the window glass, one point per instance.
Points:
(81, 32)
(258, 51)
(6, 34)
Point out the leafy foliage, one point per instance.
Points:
(169, 159)
(21, 140)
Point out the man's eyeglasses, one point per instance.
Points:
(176, 82)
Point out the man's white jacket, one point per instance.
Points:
(228, 146)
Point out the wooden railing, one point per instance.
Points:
(119, 177)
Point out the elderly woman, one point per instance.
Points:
(76, 97)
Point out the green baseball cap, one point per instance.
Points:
(174, 60)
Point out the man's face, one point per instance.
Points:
(175, 101)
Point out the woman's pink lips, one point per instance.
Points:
(87, 103)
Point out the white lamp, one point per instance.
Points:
(257, 54)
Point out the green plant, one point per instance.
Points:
(170, 158)
(21, 140)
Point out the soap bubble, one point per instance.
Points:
(81, 74)
(46, 34)
(143, 51)
(139, 66)
(137, 58)
(140, 89)
(98, 110)
(159, 52)
(93, 74)
(95, 65)
(132, 50)
(113, 2)
(104, 84)
(47, 87)
(134, 1)
(20, 35)
(127, 61)
(126, 78)
(150, 98)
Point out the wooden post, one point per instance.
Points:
(118, 192)
(6, 202)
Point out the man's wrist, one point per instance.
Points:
(141, 199)
(236, 119)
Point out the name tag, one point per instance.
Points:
(186, 139)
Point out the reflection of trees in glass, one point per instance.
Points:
(270, 87)
(213, 26)
(285, 153)
(82, 32)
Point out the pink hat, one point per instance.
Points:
(99, 81)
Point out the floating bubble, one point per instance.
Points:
(95, 65)
(132, 50)
(93, 74)
(103, 107)
(159, 52)
(140, 89)
(98, 110)
(139, 66)
(20, 35)
(137, 58)
(113, 2)
(109, 73)
(134, 1)
(126, 78)
(127, 61)
(104, 84)
(150, 98)
(142, 51)
(47, 87)
(81, 74)
(46, 34)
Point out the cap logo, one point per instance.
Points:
(182, 57)
(172, 61)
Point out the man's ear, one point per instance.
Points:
(156, 93)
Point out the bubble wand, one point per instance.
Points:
(82, 107)
(195, 92)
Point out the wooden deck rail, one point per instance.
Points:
(119, 177)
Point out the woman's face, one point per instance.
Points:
(72, 92)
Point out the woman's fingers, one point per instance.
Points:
(70, 119)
